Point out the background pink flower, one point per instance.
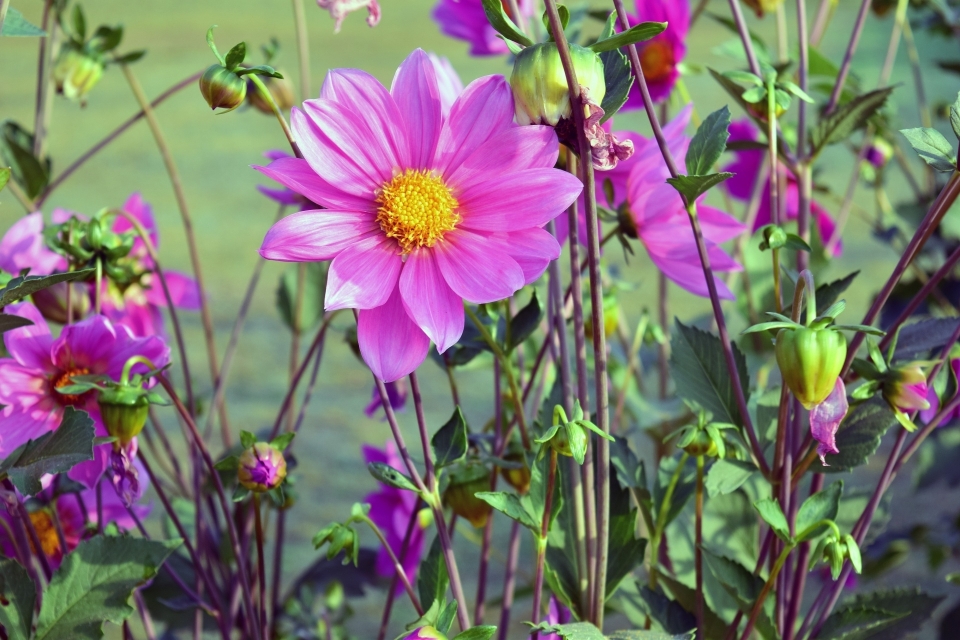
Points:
(423, 211)
(23, 247)
(930, 413)
(465, 20)
(661, 55)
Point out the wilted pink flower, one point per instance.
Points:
(396, 392)
(340, 8)
(825, 419)
(39, 365)
(746, 169)
(465, 20)
(391, 509)
(660, 56)
(931, 412)
(423, 211)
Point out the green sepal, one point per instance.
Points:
(282, 441)
(247, 439)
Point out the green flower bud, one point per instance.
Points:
(76, 73)
(810, 361)
(539, 85)
(699, 443)
(460, 495)
(222, 88)
(518, 478)
(261, 468)
(281, 90)
(124, 412)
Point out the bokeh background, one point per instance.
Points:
(214, 154)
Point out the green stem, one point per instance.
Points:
(777, 293)
(542, 540)
(98, 293)
(662, 519)
(758, 605)
(261, 569)
(266, 95)
(303, 48)
(128, 366)
(698, 547)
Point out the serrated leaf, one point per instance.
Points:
(772, 514)
(618, 79)
(955, 117)
(16, 150)
(708, 143)
(823, 505)
(502, 23)
(311, 305)
(17, 598)
(9, 322)
(882, 615)
(699, 370)
(525, 322)
(742, 585)
(668, 614)
(450, 442)
(837, 126)
(390, 476)
(921, 339)
(726, 476)
(509, 505)
(932, 147)
(53, 452)
(432, 579)
(94, 583)
(482, 632)
(859, 436)
(692, 187)
(16, 25)
(626, 550)
(639, 33)
(23, 286)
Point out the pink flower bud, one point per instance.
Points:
(261, 468)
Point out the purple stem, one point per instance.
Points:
(848, 56)
(744, 32)
(488, 527)
(395, 581)
(800, 574)
(509, 581)
(288, 399)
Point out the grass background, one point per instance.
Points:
(214, 154)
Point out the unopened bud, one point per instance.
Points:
(124, 412)
(281, 90)
(699, 443)
(460, 495)
(222, 88)
(52, 301)
(905, 388)
(76, 73)
(810, 361)
(518, 478)
(540, 91)
(261, 468)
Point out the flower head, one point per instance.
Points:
(423, 210)
(660, 56)
(261, 468)
(40, 364)
(465, 20)
(340, 8)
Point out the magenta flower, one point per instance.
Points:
(465, 20)
(391, 510)
(660, 56)
(747, 170)
(423, 211)
(556, 614)
(23, 247)
(425, 633)
(39, 364)
(931, 412)
(396, 392)
(340, 8)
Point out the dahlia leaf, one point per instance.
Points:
(932, 147)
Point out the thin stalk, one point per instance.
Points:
(800, 575)
(698, 548)
(663, 348)
(295, 330)
(542, 541)
(758, 605)
(268, 97)
(394, 582)
(177, 184)
(145, 617)
(744, 32)
(4, 5)
(277, 565)
(48, 43)
(27, 523)
(261, 568)
(804, 177)
(397, 565)
(782, 37)
(824, 13)
(292, 390)
(848, 56)
(509, 581)
(98, 283)
(303, 48)
(659, 525)
(498, 446)
(914, 59)
(28, 205)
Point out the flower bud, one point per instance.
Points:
(763, 6)
(879, 152)
(905, 388)
(76, 73)
(700, 444)
(425, 633)
(540, 91)
(124, 412)
(222, 89)
(460, 495)
(518, 478)
(52, 301)
(281, 90)
(810, 361)
(261, 468)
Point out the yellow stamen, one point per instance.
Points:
(657, 61)
(46, 532)
(416, 209)
(66, 378)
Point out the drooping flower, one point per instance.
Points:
(931, 412)
(747, 170)
(465, 20)
(392, 509)
(340, 8)
(825, 419)
(660, 56)
(39, 364)
(423, 211)
(396, 392)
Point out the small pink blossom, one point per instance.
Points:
(931, 412)
(825, 419)
(340, 8)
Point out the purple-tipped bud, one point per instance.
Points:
(261, 468)
(906, 388)
(222, 88)
(810, 361)
(425, 633)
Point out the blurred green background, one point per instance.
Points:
(214, 154)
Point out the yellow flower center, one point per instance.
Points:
(416, 209)
(656, 59)
(66, 378)
(46, 532)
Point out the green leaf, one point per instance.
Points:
(311, 306)
(247, 439)
(235, 56)
(446, 617)
(837, 126)
(626, 550)
(282, 441)
(18, 26)
(882, 615)
(9, 322)
(713, 625)
(4, 177)
(95, 582)
(742, 585)
(921, 339)
(483, 632)
(525, 322)
(708, 143)
(502, 23)
(629, 468)
(450, 442)
(955, 117)
(572, 631)
(669, 615)
(23, 286)
(744, 76)
(390, 476)
(79, 22)
(17, 598)
(681, 494)
(726, 476)
(16, 150)
(53, 452)
(618, 79)
(432, 579)
(932, 147)
(772, 514)
(823, 505)
(639, 33)
(650, 635)
(509, 504)
(261, 70)
(564, 14)
(130, 58)
(797, 243)
(700, 373)
(692, 187)
(859, 436)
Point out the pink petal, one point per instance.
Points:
(519, 201)
(825, 419)
(334, 150)
(143, 213)
(316, 235)
(87, 344)
(29, 345)
(448, 82)
(24, 389)
(151, 347)
(183, 290)
(296, 174)
(506, 152)
(417, 96)
(717, 225)
(21, 426)
(364, 274)
(533, 249)
(391, 344)
(484, 108)
(476, 268)
(429, 300)
(89, 472)
(23, 247)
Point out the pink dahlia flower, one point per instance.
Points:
(465, 20)
(660, 56)
(39, 364)
(391, 509)
(747, 170)
(422, 211)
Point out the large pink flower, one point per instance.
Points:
(39, 364)
(422, 211)
(660, 56)
(465, 20)
(746, 167)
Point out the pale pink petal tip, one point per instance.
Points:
(825, 419)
